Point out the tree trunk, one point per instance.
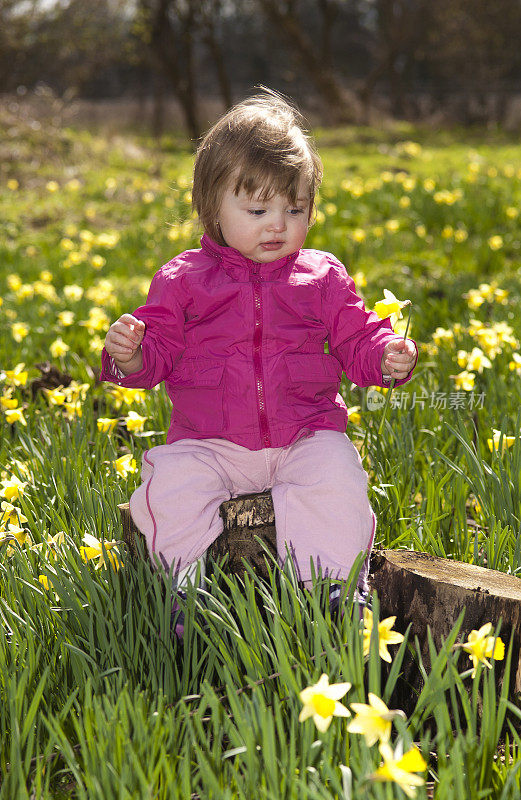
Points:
(342, 106)
(425, 590)
(169, 49)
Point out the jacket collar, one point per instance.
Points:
(238, 266)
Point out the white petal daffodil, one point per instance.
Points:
(321, 702)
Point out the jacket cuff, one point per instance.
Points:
(386, 379)
(110, 372)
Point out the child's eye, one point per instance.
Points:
(295, 211)
(256, 211)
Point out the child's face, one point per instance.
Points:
(264, 231)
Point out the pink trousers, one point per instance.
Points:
(318, 485)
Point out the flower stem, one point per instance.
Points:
(391, 387)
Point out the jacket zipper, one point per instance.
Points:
(257, 358)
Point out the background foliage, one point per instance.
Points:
(96, 700)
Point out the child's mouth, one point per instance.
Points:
(271, 245)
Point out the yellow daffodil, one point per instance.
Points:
(7, 400)
(15, 415)
(321, 702)
(11, 534)
(442, 334)
(359, 279)
(124, 465)
(354, 415)
(73, 410)
(134, 421)
(127, 396)
(56, 397)
(86, 236)
(390, 306)
(465, 380)
(481, 645)
(14, 281)
(477, 361)
(109, 239)
(76, 391)
(10, 515)
(504, 333)
(52, 186)
(73, 292)
(515, 364)
(100, 551)
(45, 290)
(96, 344)
(106, 425)
(373, 721)
(44, 580)
(66, 318)
(493, 444)
(12, 488)
(98, 262)
(386, 635)
(97, 320)
(400, 768)
(474, 298)
(17, 376)
(50, 543)
(19, 331)
(359, 235)
(58, 348)
(495, 242)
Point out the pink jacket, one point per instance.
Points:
(240, 345)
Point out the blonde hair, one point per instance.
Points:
(261, 145)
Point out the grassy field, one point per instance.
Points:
(96, 701)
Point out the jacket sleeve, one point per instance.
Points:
(356, 336)
(163, 342)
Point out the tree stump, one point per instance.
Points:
(415, 587)
(425, 590)
(244, 518)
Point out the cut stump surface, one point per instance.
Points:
(424, 590)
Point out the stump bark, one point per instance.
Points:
(428, 591)
(244, 518)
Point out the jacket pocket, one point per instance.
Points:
(198, 372)
(312, 388)
(198, 395)
(316, 367)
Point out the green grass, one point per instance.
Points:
(96, 701)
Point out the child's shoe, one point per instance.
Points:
(336, 592)
(177, 617)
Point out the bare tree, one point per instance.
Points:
(210, 11)
(340, 105)
(169, 27)
(473, 48)
(399, 29)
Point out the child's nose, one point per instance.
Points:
(277, 222)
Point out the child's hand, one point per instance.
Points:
(399, 358)
(124, 338)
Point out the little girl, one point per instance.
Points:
(236, 330)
